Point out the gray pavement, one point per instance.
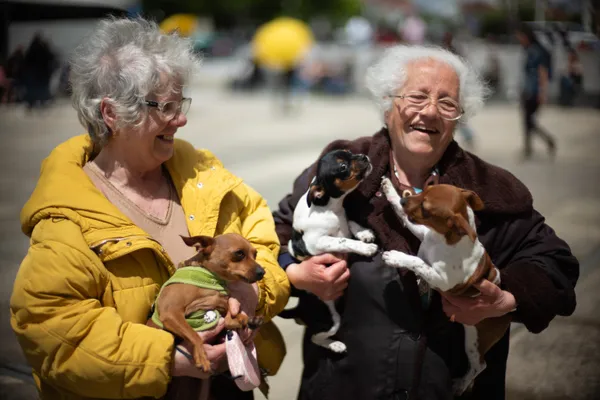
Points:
(268, 150)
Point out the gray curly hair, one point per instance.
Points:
(124, 60)
(388, 75)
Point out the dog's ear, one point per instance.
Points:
(315, 192)
(460, 226)
(472, 200)
(202, 244)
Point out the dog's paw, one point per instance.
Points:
(337, 347)
(366, 236)
(388, 189)
(392, 258)
(369, 249)
(255, 322)
(461, 385)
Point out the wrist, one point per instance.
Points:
(293, 273)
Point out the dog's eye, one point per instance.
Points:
(344, 167)
(239, 255)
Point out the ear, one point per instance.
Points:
(107, 110)
(473, 200)
(202, 244)
(458, 224)
(315, 192)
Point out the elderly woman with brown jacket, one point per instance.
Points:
(400, 341)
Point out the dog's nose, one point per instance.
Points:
(260, 272)
(403, 201)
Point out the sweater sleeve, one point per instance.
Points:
(538, 268)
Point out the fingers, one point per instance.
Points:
(336, 271)
(212, 333)
(487, 288)
(325, 258)
(234, 306)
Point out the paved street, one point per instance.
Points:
(268, 150)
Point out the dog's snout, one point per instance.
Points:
(403, 201)
(260, 272)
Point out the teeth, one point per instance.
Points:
(167, 137)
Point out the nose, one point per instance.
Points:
(260, 272)
(430, 110)
(403, 201)
(179, 120)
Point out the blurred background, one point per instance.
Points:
(282, 78)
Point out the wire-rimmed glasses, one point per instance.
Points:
(448, 108)
(169, 109)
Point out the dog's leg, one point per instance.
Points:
(330, 244)
(397, 259)
(361, 233)
(175, 323)
(476, 362)
(322, 338)
(394, 199)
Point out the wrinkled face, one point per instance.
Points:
(152, 142)
(229, 256)
(424, 132)
(338, 173)
(443, 208)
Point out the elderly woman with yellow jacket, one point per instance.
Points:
(105, 219)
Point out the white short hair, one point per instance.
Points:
(388, 75)
(125, 60)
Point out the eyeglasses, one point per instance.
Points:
(448, 109)
(169, 109)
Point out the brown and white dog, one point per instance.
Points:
(450, 259)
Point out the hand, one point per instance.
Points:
(182, 366)
(325, 275)
(244, 298)
(493, 302)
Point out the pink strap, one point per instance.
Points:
(242, 362)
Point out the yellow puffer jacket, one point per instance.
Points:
(84, 290)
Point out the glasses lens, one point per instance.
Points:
(448, 109)
(170, 109)
(185, 105)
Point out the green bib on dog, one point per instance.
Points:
(200, 320)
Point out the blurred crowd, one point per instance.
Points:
(26, 74)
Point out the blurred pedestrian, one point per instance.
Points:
(38, 66)
(534, 92)
(571, 80)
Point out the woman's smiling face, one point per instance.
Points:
(424, 131)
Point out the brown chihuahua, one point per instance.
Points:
(199, 284)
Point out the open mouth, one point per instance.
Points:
(424, 129)
(166, 138)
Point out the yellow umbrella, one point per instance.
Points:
(184, 24)
(281, 43)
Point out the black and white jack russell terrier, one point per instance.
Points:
(450, 258)
(320, 224)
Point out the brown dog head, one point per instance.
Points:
(229, 256)
(338, 173)
(443, 208)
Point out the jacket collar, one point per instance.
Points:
(65, 191)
